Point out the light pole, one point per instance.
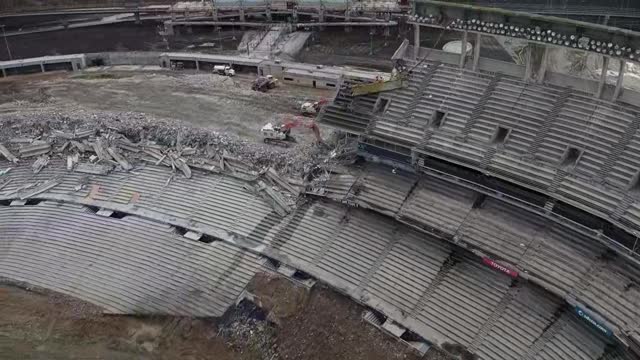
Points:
(6, 42)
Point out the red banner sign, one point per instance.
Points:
(504, 269)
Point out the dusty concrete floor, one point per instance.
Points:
(306, 325)
(204, 100)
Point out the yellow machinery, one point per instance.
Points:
(397, 81)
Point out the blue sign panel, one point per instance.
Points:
(595, 323)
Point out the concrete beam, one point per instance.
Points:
(476, 51)
(621, 69)
(603, 76)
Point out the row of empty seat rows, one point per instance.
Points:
(554, 256)
(322, 215)
(446, 294)
(540, 123)
(367, 254)
(126, 266)
(216, 201)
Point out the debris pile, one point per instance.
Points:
(98, 143)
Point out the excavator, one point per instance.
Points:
(312, 108)
(281, 134)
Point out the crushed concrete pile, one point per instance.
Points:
(99, 143)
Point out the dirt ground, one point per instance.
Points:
(205, 100)
(294, 324)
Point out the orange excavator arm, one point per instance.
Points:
(290, 124)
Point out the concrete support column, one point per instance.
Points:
(527, 63)
(603, 76)
(543, 66)
(416, 41)
(268, 11)
(72, 64)
(173, 15)
(214, 13)
(243, 17)
(476, 51)
(4, 72)
(197, 65)
(463, 49)
(168, 29)
(137, 17)
(347, 18)
(621, 69)
(294, 14)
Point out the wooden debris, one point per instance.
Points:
(40, 163)
(7, 154)
(121, 160)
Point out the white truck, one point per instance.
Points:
(225, 70)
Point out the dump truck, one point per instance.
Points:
(225, 70)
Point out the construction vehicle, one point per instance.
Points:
(281, 134)
(312, 108)
(225, 70)
(397, 80)
(264, 83)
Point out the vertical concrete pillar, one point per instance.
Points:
(42, 66)
(294, 14)
(74, 66)
(214, 13)
(621, 69)
(4, 72)
(137, 17)
(243, 18)
(347, 18)
(416, 41)
(476, 51)
(168, 29)
(197, 65)
(463, 49)
(268, 12)
(603, 76)
(543, 66)
(527, 63)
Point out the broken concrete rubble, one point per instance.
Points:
(35, 149)
(96, 169)
(101, 151)
(124, 164)
(40, 163)
(38, 189)
(7, 154)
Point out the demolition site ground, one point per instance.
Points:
(180, 120)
